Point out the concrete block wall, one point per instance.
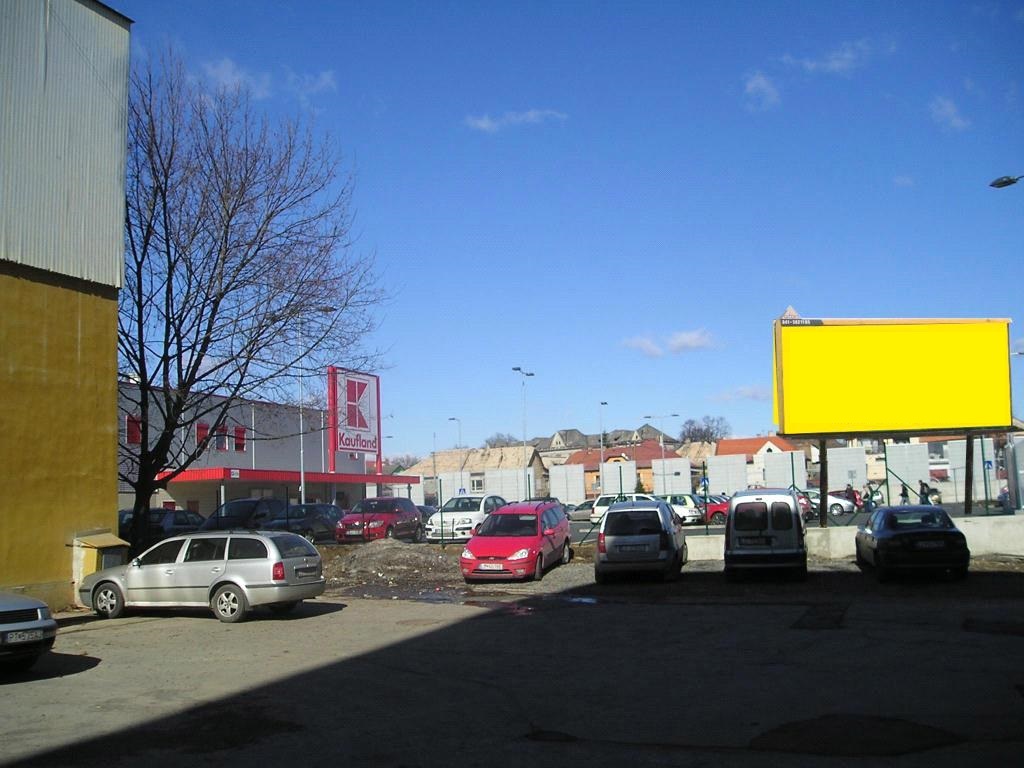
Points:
(997, 535)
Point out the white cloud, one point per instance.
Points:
(304, 86)
(681, 341)
(945, 113)
(761, 92)
(1018, 346)
(645, 345)
(489, 124)
(677, 343)
(227, 74)
(744, 393)
(842, 61)
(902, 181)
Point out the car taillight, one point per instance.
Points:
(600, 543)
(278, 571)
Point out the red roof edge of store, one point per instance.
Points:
(284, 476)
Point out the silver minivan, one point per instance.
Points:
(765, 530)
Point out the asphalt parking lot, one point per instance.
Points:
(838, 670)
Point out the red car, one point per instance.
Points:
(517, 541)
(716, 510)
(850, 493)
(381, 518)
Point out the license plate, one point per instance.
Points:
(632, 548)
(490, 566)
(756, 540)
(931, 544)
(309, 570)
(24, 636)
(353, 533)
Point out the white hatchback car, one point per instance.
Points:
(458, 517)
(685, 506)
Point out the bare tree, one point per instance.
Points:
(501, 440)
(707, 430)
(239, 269)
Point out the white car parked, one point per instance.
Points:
(685, 506)
(605, 500)
(458, 517)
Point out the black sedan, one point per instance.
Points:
(313, 522)
(912, 538)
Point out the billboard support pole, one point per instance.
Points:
(968, 489)
(823, 483)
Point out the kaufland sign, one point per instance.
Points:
(354, 405)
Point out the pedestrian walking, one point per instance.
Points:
(904, 494)
(923, 491)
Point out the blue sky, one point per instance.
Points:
(621, 197)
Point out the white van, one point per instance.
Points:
(765, 530)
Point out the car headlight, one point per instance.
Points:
(465, 521)
(520, 554)
(375, 524)
(467, 554)
(44, 613)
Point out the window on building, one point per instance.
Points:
(202, 431)
(240, 439)
(222, 437)
(476, 483)
(133, 430)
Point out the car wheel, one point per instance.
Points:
(107, 601)
(566, 553)
(673, 571)
(282, 608)
(881, 572)
(836, 510)
(389, 533)
(419, 535)
(960, 573)
(801, 572)
(538, 568)
(309, 536)
(229, 604)
(600, 578)
(718, 518)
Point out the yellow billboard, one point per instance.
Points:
(890, 376)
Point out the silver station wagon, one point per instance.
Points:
(231, 572)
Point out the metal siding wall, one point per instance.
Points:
(784, 469)
(727, 474)
(671, 476)
(847, 465)
(64, 67)
(567, 484)
(910, 463)
(618, 477)
(957, 453)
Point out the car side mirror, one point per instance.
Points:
(549, 531)
(136, 562)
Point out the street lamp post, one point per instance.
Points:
(600, 466)
(324, 310)
(456, 418)
(526, 475)
(662, 441)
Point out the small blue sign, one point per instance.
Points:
(988, 464)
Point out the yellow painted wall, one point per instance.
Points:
(58, 425)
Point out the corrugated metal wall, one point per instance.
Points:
(784, 469)
(671, 476)
(63, 70)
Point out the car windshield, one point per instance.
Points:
(914, 518)
(509, 525)
(375, 506)
(462, 504)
